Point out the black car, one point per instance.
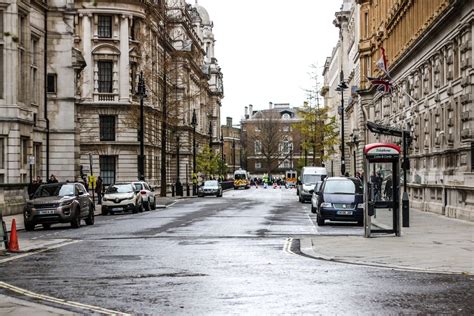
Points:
(59, 203)
(340, 199)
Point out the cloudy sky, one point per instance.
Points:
(266, 48)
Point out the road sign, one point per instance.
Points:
(31, 160)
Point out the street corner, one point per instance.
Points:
(389, 252)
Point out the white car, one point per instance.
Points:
(148, 196)
(121, 197)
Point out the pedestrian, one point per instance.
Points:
(99, 188)
(32, 186)
(53, 179)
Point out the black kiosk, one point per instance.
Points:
(381, 189)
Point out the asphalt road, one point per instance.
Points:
(229, 255)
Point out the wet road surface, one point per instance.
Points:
(227, 255)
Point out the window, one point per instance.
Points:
(21, 58)
(107, 127)
(52, 79)
(105, 26)
(472, 156)
(2, 153)
(105, 76)
(37, 155)
(1, 55)
(258, 147)
(286, 164)
(258, 165)
(107, 169)
(24, 152)
(34, 70)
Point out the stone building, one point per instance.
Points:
(232, 147)
(428, 46)
(68, 90)
(174, 49)
(269, 140)
(343, 65)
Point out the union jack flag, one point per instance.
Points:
(383, 85)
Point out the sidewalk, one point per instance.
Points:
(432, 243)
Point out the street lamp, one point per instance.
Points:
(141, 92)
(233, 153)
(341, 87)
(210, 134)
(193, 124)
(179, 186)
(222, 155)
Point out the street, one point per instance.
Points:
(238, 254)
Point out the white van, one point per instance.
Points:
(309, 177)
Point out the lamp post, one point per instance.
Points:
(222, 154)
(210, 134)
(194, 123)
(141, 92)
(341, 87)
(179, 186)
(233, 155)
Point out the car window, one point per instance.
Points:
(341, 187)
(138, 185)
(211, 183)
(311, 178)
(120, 188)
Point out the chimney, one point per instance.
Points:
(270, 104)
(246, 112)
(229, 121)
(250, 110)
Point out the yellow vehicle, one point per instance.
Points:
(291, 178)
(241, 179)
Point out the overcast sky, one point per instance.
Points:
(266, 48)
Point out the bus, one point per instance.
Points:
(291, 178)
(241, 179)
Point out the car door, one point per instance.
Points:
(81, 198)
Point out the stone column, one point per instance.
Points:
(124, 71)
(87, 81)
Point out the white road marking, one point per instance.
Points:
(59, 301)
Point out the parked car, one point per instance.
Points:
(59, 203)
(148, 196)
(340, 199)
(121, 197)
(314, 196)
(211, 187)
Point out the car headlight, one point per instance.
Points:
(66, 203)
(326, 204)
(200, 189)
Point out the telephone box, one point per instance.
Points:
(381, 193)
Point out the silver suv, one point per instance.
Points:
(59, 203)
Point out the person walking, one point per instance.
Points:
(99, 188)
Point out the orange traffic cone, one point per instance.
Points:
(13, 244)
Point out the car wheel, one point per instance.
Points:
(76, 222)
(313, 209)
(104, 211)
(147, 206)
(153, 205)
(90, 218)
(29, 226)
(46, 226)
(319, 220)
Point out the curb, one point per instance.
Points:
(307, 250)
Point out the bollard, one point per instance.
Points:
(187, 189)
(172, 190)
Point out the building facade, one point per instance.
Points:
(270, 143)
(232, 150)
(70, 106)
(428, 46)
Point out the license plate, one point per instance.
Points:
(117, 209)
(344, 212)
(46, 212)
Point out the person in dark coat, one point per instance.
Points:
(99, 188)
